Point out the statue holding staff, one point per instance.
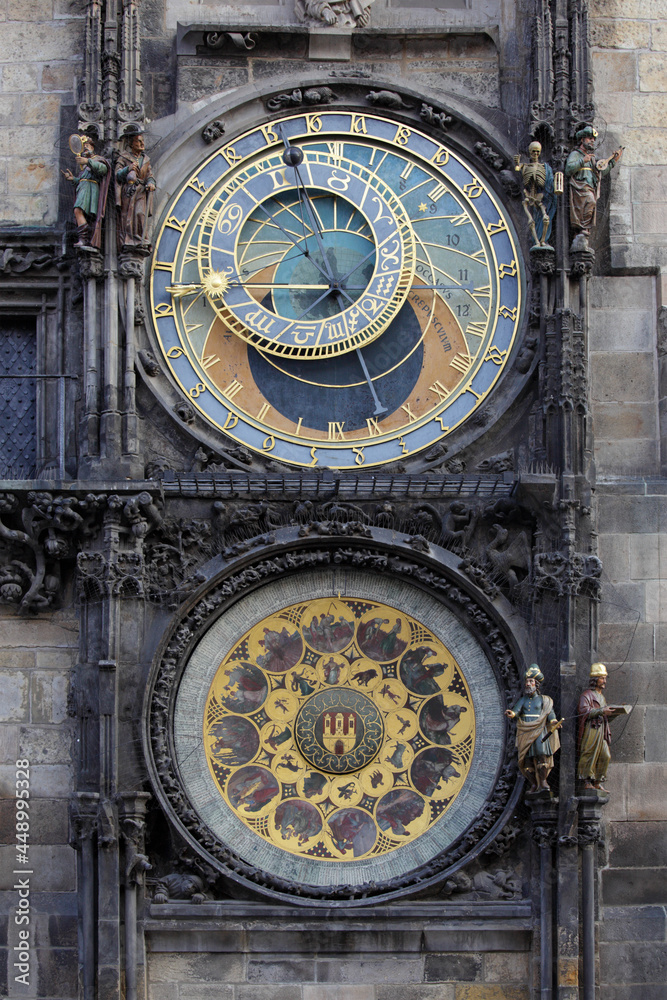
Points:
(92, 185)
(537, 738)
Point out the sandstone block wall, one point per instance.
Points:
(40, 62)
(36, 658)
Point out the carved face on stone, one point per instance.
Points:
(534, 151)
(137, 144)
(530, 686)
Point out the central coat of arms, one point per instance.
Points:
(339, 730)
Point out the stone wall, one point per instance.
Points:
(633, 630)
(35, 664)
(40, 62)
(630, 81)
(628, 390)
(385, 953)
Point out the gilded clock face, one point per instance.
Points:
(336, 289)
(332, 729)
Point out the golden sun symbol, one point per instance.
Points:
(215, 284)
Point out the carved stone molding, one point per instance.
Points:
(38, 531)
(132, 814)
(565, 574)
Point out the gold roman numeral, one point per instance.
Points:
(232, 389)
(461, 363)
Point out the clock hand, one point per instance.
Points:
(379, 408)
(292, 240)
(292, 157)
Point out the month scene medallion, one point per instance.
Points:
(338, 728)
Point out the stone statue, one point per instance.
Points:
(539, 198)
(135, 185)
(537, 738)
(342, 13)
(92, 185)
(585, 173)
(594, 733)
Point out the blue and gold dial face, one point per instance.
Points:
(336, 289)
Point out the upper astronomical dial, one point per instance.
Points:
(347, 311)
(312, 261)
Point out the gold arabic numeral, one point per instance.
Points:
(336, 152)
(196, 390)
(373, 427)
(313, 455)
(232, 156)
(208, 360)
(507, 270)
(164, 309)
(358, 125)
(405, 175)
(270, 134)
(297, 432)
(476, 329)
(278, 179)
(231, 422)
(461, 363)
(442, 426)
(495, 227)
(402, 136)
(232, 389)
(440, 157)
(360, 458)
(496, 355)
(269, 443)
(336, 430)
(403, 446)
(264, 409)
(314, 123)
(408, 412)
(175, 352)
(338, 183)
(439, 389)
(473, 189)
(508, 313)
(436, 193)
(175, 223)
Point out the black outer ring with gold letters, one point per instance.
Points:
(464, 304)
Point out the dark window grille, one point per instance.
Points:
(18, 398)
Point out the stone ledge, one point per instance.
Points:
(407, 929)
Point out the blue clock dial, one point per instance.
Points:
(344, 312)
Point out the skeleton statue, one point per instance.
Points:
(539, 199)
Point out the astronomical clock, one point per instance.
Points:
(336, 289)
